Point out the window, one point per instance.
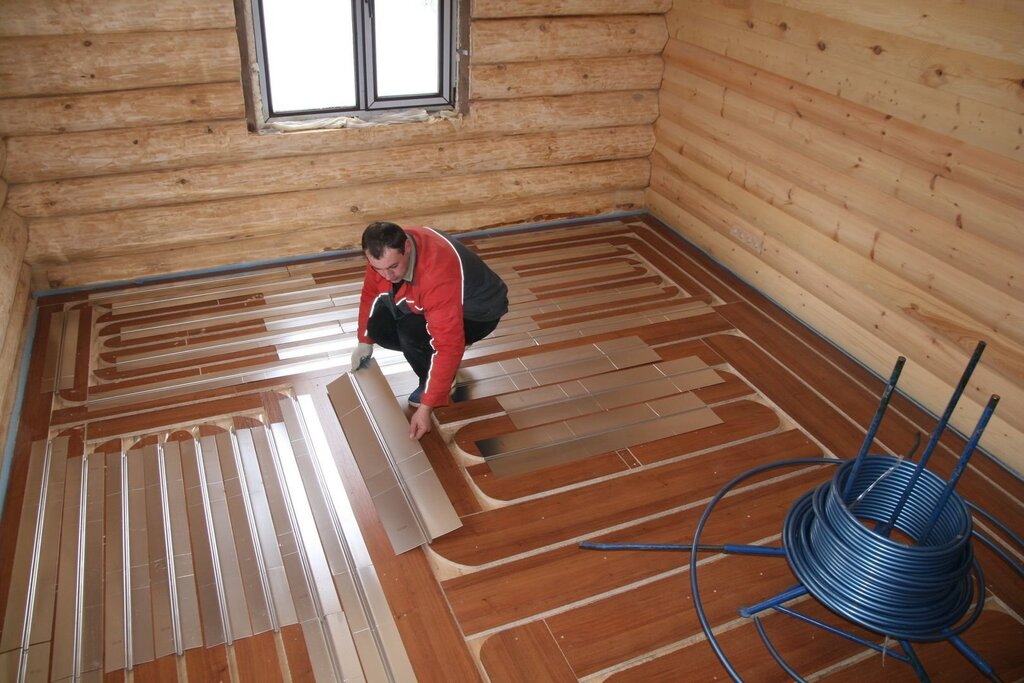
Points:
(328, 58)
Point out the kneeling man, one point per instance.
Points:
(428, 296)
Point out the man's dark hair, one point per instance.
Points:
(382, 235)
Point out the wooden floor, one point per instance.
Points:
(130, 391)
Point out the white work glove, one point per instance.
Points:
(361, 356)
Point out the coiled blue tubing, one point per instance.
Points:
(908, 591)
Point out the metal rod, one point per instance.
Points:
(958, 471)
(972, 656)
(914, 661)
(785, 596)
(886, 529)
(883, 404)
(842, 634)
(732, 549)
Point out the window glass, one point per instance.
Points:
(309, 54)
(308, 59)
(406, 42)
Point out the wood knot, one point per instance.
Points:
(784, 26)
(878, 49)
(935, 75)
(822, 45)
(750, 24)
(87, 43)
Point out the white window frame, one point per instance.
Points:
(369, 107)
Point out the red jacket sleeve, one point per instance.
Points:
(371, 289)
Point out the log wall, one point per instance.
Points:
(129, 153)
(862, 164)
(14, 298)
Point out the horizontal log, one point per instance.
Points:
(52, 65)
(125, 109)
(564, 77)
(985, 172)
(997, 311)
(855, 334)
(965, 73)
(991, 128)
(968, 209)
(304, 172)
(346, 235)
(496, 9)
(705, 194)
(60, 240)
(973, 255)
(53, 17)
(973, 27)
(12, 347)
(13, 243)
(70, 155)
(528, 40)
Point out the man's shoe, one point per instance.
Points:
(416, 396)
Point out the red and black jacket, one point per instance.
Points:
(449, 283)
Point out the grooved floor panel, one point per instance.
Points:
(185, 506)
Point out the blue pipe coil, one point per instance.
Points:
(919, 591)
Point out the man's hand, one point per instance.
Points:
(361, 356)
(420, 422)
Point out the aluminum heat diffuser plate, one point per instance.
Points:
(410, 501)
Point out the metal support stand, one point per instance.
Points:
(858, 572)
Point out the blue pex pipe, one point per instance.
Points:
(912, 592)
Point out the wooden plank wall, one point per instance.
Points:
(129, 155)
(862, 164)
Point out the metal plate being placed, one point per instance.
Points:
(582, 437)
(411, 503)
(606, 391)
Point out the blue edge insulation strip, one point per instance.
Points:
(12, 432)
